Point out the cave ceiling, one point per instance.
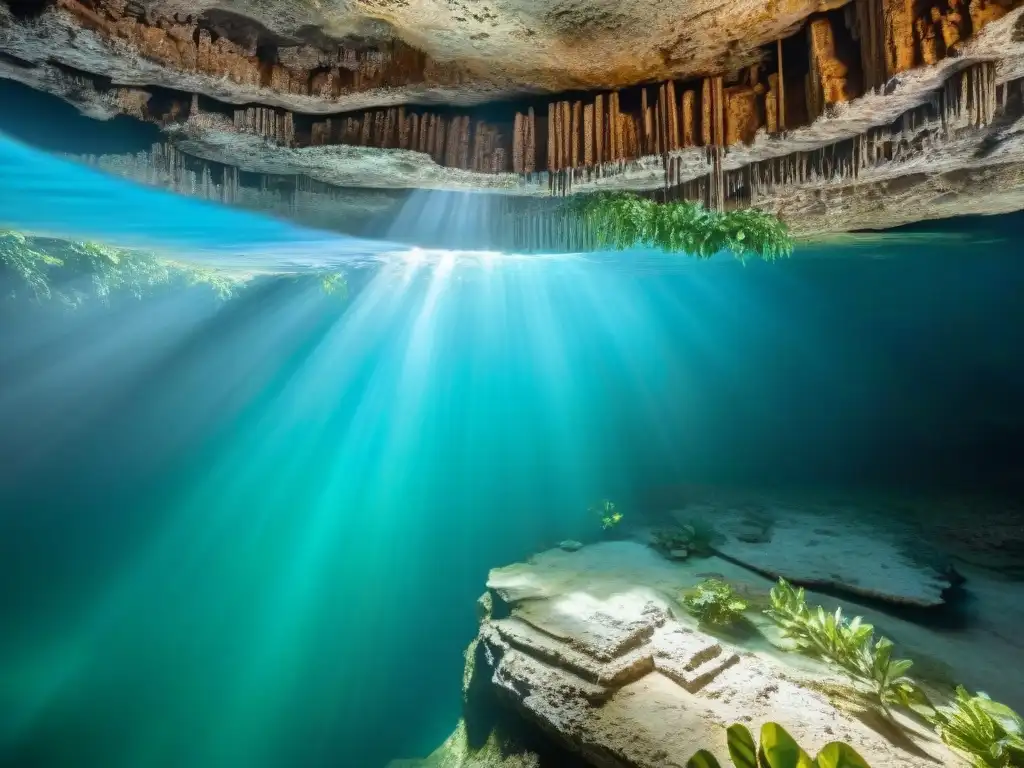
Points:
(812, 110)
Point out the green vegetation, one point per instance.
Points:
(606, 511)
(666, 540)
(73, 273)
(42, 270)
(696, 535)
(715, 603)
(777, 750)
(334, 284)
(702, 536)
(849, 645)
(623, 220)
(991, 733)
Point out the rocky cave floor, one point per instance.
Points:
(586, 657)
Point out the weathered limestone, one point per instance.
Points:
(184, 43)
(589, 648)
(829, 78)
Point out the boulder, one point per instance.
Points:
(591, 650)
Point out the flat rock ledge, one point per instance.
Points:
(590, 650)
(837, 553)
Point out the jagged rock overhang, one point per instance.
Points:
(692, 129)
(811, 139)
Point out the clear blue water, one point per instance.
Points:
(252, 533)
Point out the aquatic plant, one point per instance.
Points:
(334, 284)
(72, 273)
(695, 535)
(990, 733)
(848, 644)
(715, 603)
(666, 540)
(623, 220)
(777, 750)
(608, 513)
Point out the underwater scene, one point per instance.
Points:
(512, 384)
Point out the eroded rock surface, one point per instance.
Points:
(590, 647)
(820, 552)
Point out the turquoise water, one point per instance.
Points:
(252, 533)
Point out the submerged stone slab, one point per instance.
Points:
(827, 553)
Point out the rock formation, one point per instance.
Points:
(590, 649)
(811, 112)
(819, 552)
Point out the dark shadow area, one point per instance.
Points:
(46, 122)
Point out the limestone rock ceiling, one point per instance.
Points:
(730, 103)
(506, 46)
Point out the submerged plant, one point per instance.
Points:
(697, 535)
(623, 220)
(607, 512)
(334, 284)
(848, 644)
(715, 603)
(777, 750)
(991, 733)
(72, 273)
(666, 540)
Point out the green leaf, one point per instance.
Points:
(1001, 714)
(742, 747)
(780, 750)
(839, 755)
(703, 759)
(624, 220)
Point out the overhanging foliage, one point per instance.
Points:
(623, 220)
(41, 270)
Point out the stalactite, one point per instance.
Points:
(577, 122)
(781, 98)
(364, 133)
(689, 110)
(519, 144)
(645, 111)
(566, 137)
(866, 21)
(530, 162)
(673, 116)
(615, 128)
(588, 135)
(719, 140)
(663, 138)
(551, 138)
